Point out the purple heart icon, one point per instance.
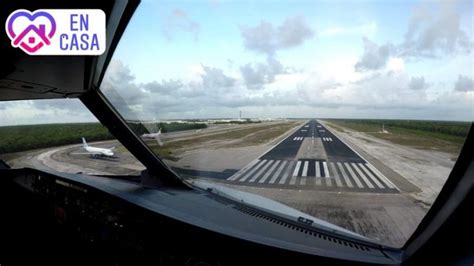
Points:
(38, 31)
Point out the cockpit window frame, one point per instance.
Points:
(99, 105)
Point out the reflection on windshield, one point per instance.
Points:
(60, 135)
(330, 108)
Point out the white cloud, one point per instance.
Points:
(464, 83)
(417, 83)
(266, 38)
(434, 30)
(375, 57)
(44, 111)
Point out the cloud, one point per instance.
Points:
(293, 32)
(163, 87)
(26, 112)
(434, 31)
(71, 106)
(259, 74)
(464, 83)
(417, 83)
(375, 57)
(215, 78)
(266, 38)
(383, 94)
(179, 20)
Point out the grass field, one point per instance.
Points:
(429, 135)
(234, 138)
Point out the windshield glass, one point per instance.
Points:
(351, 112)
(60, 135)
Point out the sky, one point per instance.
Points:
(271, 59)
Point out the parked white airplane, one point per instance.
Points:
(94, 151)
(156, 136)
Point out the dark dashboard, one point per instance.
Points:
(120, 221)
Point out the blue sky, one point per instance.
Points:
(354, 59)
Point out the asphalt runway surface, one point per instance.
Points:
(313, 158)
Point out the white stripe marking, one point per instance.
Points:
(267, 174)
(297, 168)
(351, 172)
(376, 181)
(318, 170)
(305, 169)
(344, 174)
(326, 171)
(336, 174)
(295, 173)
(382, 177)
(264, 167)
(294, 138)
(252, 171)
(367, 182)
(286, 173)
(277, 173)
(238, 174)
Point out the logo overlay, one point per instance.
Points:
(57, 31)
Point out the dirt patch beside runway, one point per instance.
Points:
(419, 172)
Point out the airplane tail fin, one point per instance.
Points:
(158, 138)
(84, 143)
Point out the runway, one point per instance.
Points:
(313, 158)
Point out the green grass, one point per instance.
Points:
(29, 137)
(266, 135)
(246, 136)
(429, 135)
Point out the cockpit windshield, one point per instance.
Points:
(350, 112)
